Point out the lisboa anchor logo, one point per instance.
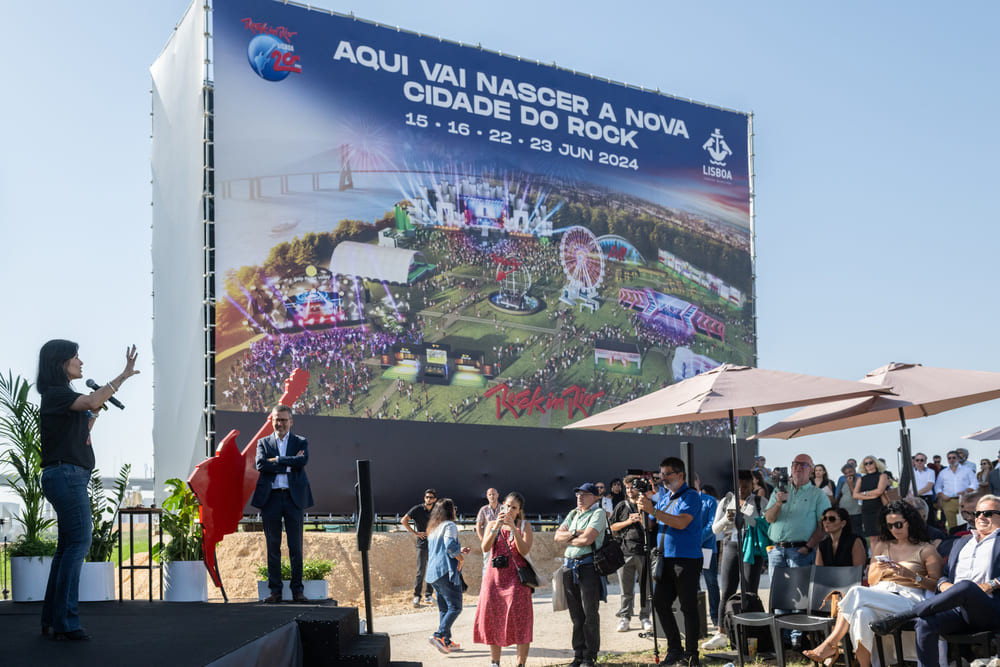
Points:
(718, 150)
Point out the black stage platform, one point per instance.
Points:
(178, 634)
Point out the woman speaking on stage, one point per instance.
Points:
(66, 418)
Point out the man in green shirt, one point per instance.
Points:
(583, 533)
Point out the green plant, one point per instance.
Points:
(20, 431)
(180, 523)
(104, 537)
(312, 570)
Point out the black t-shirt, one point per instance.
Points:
(419, 515)
(631, 538)
(64, 433)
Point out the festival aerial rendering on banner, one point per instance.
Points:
(441, 233)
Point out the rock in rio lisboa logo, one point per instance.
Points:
(270, 52)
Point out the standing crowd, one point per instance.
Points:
(930, 555)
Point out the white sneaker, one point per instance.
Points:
(647, 625)
(429, 598)
(716, 642)
(622, 625)
(416, 600)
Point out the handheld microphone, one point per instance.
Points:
(112, 400)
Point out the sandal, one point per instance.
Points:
(826, 657)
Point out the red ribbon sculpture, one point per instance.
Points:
(224, 483)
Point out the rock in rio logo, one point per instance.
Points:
(270, 54)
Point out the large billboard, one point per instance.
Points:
(445, 234)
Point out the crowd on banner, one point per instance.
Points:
(925, 559)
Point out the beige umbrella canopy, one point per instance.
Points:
(988, 434)
(727, 391)
(920, 391)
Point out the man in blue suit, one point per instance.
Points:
(282, 494)
(968, 598)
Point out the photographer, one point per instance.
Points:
(627, 526)
(679, 539)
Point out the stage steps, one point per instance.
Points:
(334, 641)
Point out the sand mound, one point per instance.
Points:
(392, 561)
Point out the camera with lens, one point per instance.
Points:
(641, 485)
(780, 478)
(500, 561)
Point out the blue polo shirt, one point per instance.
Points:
(680, 543)
(708, 508)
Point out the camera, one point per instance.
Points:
(641, 484)
(500, 561)
(780, 478)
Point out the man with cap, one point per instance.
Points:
(795, 515)
(583, 533)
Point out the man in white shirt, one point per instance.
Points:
(487, 513)
(924, 479)
(951, 483)
(968, 598)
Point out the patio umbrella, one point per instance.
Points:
(988, 434)
(727, 392)
(919, 391)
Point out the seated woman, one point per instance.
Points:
(904, 568)
(840, 547)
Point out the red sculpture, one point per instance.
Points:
(224, 483)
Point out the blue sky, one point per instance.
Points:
(875, 141)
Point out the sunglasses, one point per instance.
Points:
(952, 458)
(869, 463)
(896, 524)
(920, 460)
(986, 514)
(830, 518)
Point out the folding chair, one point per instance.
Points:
(789, 590)
(988, 643)
(825, 580)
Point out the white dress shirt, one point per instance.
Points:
(953, 482)
(975, 560)
(923, 478)
(281, 478)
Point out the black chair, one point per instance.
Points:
(789, 591)
(824, 580)
(988, 642)
(897, 638)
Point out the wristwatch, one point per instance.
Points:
(918, 579)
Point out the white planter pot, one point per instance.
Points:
(314, 589)
(97, 582)
(185, 581)
(29, 575)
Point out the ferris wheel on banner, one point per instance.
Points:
(582, 259)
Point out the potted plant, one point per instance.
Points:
(184, 574)
(97, 579)
(313, 579)
(31, 553)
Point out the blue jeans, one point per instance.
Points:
(711, 575)
(449, 599)
(65, 486)
(789, 557)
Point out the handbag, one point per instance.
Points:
(890, 494)
(527, 575)
(609, 558)
(834, 598)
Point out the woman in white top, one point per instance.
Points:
(731, 556)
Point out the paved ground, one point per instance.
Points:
(551, 645)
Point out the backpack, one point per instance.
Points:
(739, 604)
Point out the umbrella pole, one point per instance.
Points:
(737, 505)
(906, 476)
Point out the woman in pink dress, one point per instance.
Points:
(504, 613)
